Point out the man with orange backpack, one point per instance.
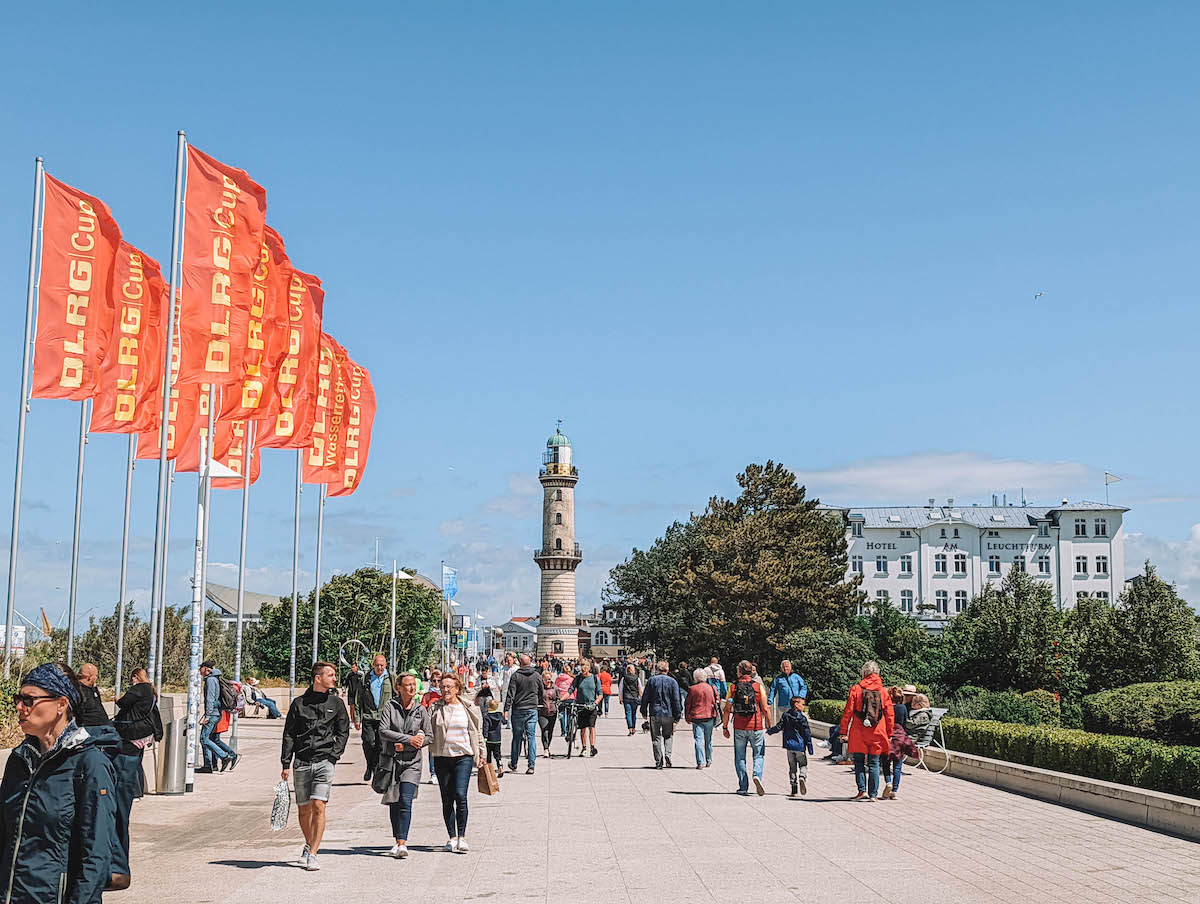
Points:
(867, 721)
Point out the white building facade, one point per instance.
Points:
(931, 560)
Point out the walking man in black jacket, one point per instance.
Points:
(315, 736)
(525, 694)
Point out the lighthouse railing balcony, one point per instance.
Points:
(546, 553)
(553, 468)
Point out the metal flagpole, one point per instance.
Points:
(193, 719)
(295, 574)
(210, 449)
(241, 596)
(74, 597)
(317, 598)
(392, 658)
(30, 296)
(161, 624)
(124, 566)
(160, 558)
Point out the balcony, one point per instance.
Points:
(575, 553)
(557, 469)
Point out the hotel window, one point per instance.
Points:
(1043, 528)
(864, 608)
(906, 600)
(993, 564)
(881, 564)
(906, 533)
(856, 528)
(856, 565)
(1080, 596)
(943, 533)
(993, 533)
(960, 600)
(1043, 564)
(906, 564)
(960, 563)
(1102, 595)
(1101, 564)
(956, 533)
(881, 597)
(1081, 565)
(939, 563)
(943, 601)
(1101, 527)
(1018, 563)
(1081, 527)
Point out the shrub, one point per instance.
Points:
(1049, 709)
(1163, 711)
(826, 710)
(1005, 706)
(1127, 761)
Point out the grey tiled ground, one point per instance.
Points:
(612, 830)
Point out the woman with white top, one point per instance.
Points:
(457, 746)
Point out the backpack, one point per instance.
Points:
(870, 711)
(745, 698)
(231, 699)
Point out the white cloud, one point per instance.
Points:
(521, 500)
(966, 476)
(1176, 561)
(453, 528)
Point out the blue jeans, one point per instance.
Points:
(631, 715)
(401, 811)
(866, 773)
(893, 768)
(454, 780)
(524, 727)
(757, 742)
(214, 748)
(702, 730)
(272, 709)
(605, 703)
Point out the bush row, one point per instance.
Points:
(1167, 711)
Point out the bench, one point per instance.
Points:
(931, 736)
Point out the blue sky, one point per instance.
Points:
(702, 234)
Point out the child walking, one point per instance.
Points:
(493, 720)
(797, 741)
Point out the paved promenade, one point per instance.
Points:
(612, 830)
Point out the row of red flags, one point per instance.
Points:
(248, 323)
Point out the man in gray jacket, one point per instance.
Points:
(374, 692)
(525, 694)
(215, 750)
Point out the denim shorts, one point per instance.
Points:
(313, 781)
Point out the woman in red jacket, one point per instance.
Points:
(867, 722)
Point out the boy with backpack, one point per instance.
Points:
(747, 704)
(867, 722)
(797, 741)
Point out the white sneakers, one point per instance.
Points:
(303, 858)
(399, 851)
(463, 847)
(458, 845)
(311, 865)
(452, 845)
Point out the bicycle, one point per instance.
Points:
(571, 727)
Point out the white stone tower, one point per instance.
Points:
(559, 555)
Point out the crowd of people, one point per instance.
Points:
(78, 771)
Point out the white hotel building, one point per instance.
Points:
(931, 560)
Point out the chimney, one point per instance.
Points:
(993, 500)
(930, 502)
(1065, 500)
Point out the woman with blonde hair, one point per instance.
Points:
(457, 746)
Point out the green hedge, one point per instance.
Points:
(1167, 711)
(1126, 761)
(826, 710)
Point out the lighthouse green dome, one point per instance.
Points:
(557, 440)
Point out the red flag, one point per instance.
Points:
(222, 245)
(322, 460)
(297, 375)
(360, 418)
(185, 402)
(128, 397)
(232, 444)
(190, 443)
(75, 304)
(256, 395)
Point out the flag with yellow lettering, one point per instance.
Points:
(224, 216)
(356, 438)
(128, 391)
(234, 450)
(181, 412)
(296, 380)
(80, 239)
(322, 459)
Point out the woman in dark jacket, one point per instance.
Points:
(404, 730)
(631, 696)
(57, 807)
(138, 723)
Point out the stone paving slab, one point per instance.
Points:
(613, 829)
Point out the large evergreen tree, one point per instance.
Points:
(737, 579)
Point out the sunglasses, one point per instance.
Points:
(29, 700)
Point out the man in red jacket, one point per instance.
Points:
(867, 721)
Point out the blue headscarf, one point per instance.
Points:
(53, 680)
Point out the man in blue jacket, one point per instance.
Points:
(215, 750)
(662, 705)
(786, 686)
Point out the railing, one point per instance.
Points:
(575, 553)
(557, 468)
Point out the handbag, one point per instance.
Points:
(381, 778)
(486, 781)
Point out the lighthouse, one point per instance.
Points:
(559, 555)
